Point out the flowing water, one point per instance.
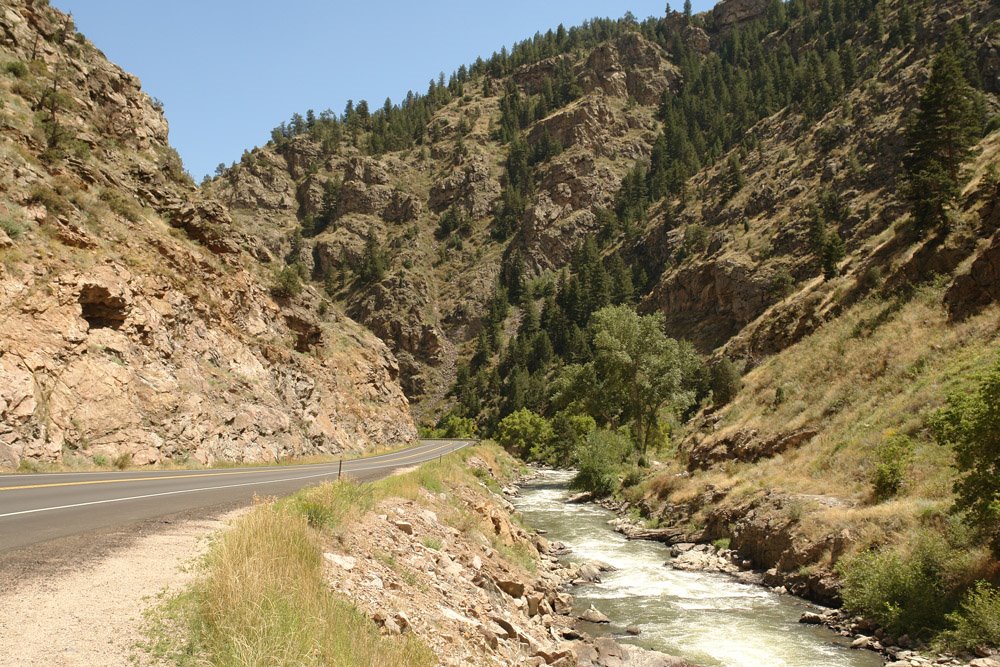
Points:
(710, 619)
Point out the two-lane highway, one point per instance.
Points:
(39, 507)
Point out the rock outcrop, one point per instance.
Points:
(366, 191)
(729, 13)
(973, 291)
(136, 328)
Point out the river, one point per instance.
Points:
(710, 619)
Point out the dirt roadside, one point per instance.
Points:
(92, 614)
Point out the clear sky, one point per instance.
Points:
(228, 71)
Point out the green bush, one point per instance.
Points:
(120, 204)
(722, 543)
(892, 459)
(913, 587)
(726, 382)
(525, 433)
(287, 283)
(970, 424)
(12, 229)
(453, 426)
(599, 462)
(632, 477)
(977, 622)
(900, 594)
(54, 202)
(16, 69)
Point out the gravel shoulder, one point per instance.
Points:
(92, 615)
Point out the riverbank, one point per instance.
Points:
(707, 617)
(694, 550)
(429, 567)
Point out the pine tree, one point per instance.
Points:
(833, 252)
(941, 138)
(907, 29)
(374, 261)
(735, 174)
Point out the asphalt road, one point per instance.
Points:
(36, 508)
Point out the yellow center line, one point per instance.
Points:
(211, 474)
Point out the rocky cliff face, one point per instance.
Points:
(135, 326)
(428, 307)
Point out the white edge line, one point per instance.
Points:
(209, 488)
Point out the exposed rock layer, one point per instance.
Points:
(135, 327)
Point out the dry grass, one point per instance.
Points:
(877, 370)
(263, 600)
(880, 368)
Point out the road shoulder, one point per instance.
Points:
(93, 614)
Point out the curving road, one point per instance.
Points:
(39, 507)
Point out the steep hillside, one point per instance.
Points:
(739, 123)
(427, 303)
(758, 178)
(135, 329)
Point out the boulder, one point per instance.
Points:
(593, 615)
(535, 601)
(343, 562)
(404, 526)
(515, 589)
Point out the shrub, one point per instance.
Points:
(911, 588)
(16, 69)
(892, 459)
(695, 238)
(11, 228)
(54, 202)
(599, 461)
(454, 426)
(971, 425)
(782, 284)
(632, 477)
(726, 382)
(432, 542)
(453, 220)
(287, 283)
(900, 594)
(122, 461)
(977, 622)
(525, 434)
(121, 205)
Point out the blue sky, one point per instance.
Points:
(228, 71)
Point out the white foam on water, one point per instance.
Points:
(709, 618)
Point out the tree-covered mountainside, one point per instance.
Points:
(730, 265)
(732, 170)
